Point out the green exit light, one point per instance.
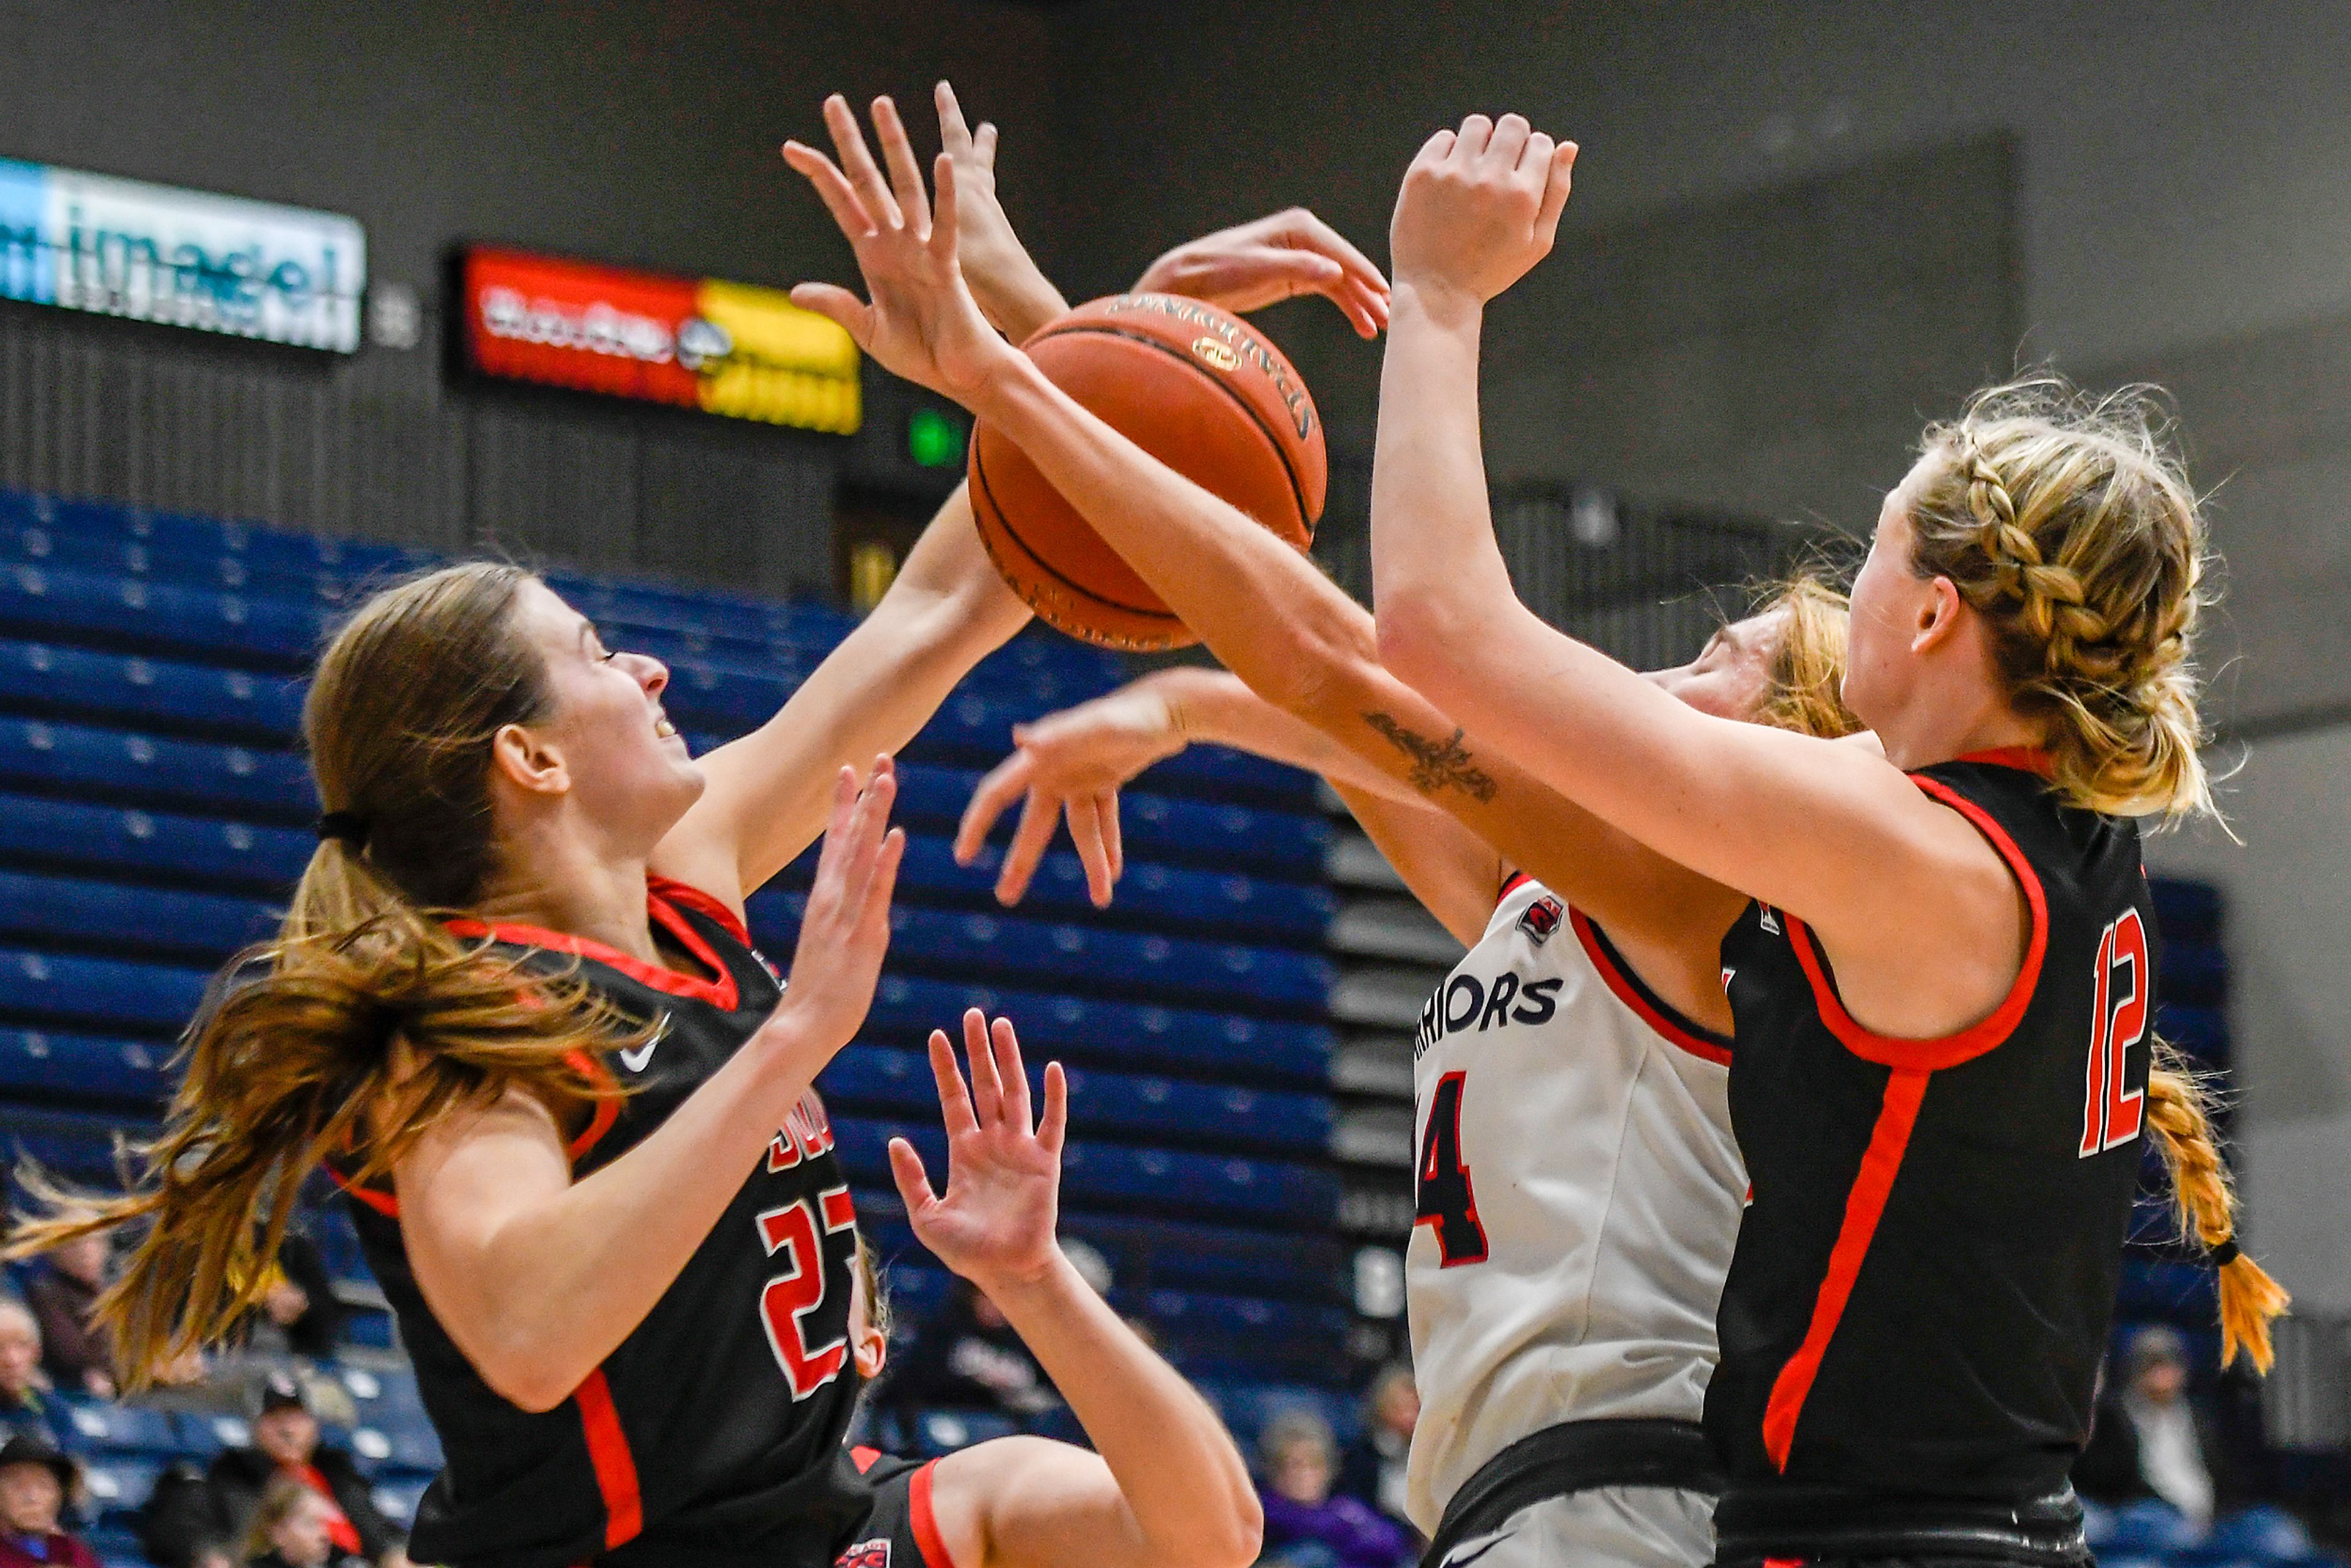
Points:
(934, 438)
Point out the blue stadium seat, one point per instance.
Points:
(2182, 1292)
(1248, 1407)
(2187, 911)
(37, 1064)
(144, 843)
(158, 998)
(940, 1432)
(1095, 959)
(1161, 828)
(1158, 1253)
(2201, 1031)
(112, 914)
(908, 1008)
(95, 1426)
(1270, 1192)
(397, 1501)
(119, 1484)
(265, 629)
(85, 684)
(882, 1080)
(97, 763)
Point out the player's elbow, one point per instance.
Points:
(1422, 647)
(1317, 666)
(528, 1375)
(1229, 1535)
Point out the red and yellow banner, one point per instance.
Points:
(727, 348)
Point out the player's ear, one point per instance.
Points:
(872, 1350)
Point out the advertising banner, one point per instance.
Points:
(185, 258)
(725, 348)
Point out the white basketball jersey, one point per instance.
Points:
(1579, 1193)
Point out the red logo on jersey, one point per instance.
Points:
(807, 1134)
(865, 1555)
(1541, 918)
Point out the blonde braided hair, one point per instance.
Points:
(2068, 524)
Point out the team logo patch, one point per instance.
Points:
(1540, 919)
(865, 1555)
(1767, 919)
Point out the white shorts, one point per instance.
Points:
(1602, 1527)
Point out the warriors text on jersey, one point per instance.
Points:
(1578, 1196)
(713, 1435)
(1925, 1280)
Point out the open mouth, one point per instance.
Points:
(662, 727)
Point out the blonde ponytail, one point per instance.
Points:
(365, 1024)
(2179, 1118)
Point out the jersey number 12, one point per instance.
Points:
(1443, 1196)
(2111, 1113)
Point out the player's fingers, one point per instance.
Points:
(1054, 1129)
(1085, 833)
(836, 828)
(1555, 194)
(851, 314)
(1003, 784)
(1038, 817)
(1507, 140)
(942, 209)
(857, 162)
(881, 887)
(954, 135)
(833, 188)
(983, 146)
(1322, 236)
(980, 1058)
(1439, 147)
(955, 1100)
(1009, 1072)
(1114, 839)
(1468, 142)
(913, 1182)
(905, 175)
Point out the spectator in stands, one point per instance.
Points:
(1373, 1469)
(34, 1482)
(970, 1358)
(180, 1526)
(76, 1355)
(2152, 1439)
(24, 1407)
(294, 1527)
(1305, 1525)
(297, 1305)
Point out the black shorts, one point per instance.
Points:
(900, 1531)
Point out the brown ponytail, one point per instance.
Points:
(367, 1022)
(2069, 524)
(2179, 1117)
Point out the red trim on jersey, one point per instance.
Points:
(927, 1539)
(719, 990)
(2028, 758)
(615, 1466)
(694, 898)
(383, 1203)
(607, 1111)
(1950, 1049)
(1873, 1184)
(1634, 993)
(863, 1457)
(1511, 884)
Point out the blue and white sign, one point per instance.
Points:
(186, 259)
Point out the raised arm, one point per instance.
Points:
(539, 1277)
(1165, 1486)
(1831, 831)
(767, 792)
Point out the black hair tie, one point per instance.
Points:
(2224, 1254)
(344, 825)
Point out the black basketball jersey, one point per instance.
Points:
(713, 1435)
(1925, 1280)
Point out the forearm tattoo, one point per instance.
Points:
(1435, 764)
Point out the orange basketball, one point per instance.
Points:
(1199, 389)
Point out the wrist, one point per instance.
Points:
(1040, 1287)
(1434, 300)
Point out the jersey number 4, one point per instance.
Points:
(786, 1302)
(1442, 1196)
(2111, 1112)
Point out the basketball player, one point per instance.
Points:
(1564, 1320)
(1949, 1430)
(1940, 974)
(515, 1002)
(1164, 1487)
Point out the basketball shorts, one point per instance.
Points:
(900, 1531)
(1605, 1527)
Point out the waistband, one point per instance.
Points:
(1573, 1457)
(1809, 1525)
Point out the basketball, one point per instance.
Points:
(1203, 391)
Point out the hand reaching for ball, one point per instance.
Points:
(1479, 207)
(922, 322)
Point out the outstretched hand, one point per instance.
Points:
(922, 322)
(1276, 258)
(996, 1224)
(1011, 290)
(1479, 207)
(1070, 763)
(846, 932)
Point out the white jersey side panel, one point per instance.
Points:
(1606, 1186)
